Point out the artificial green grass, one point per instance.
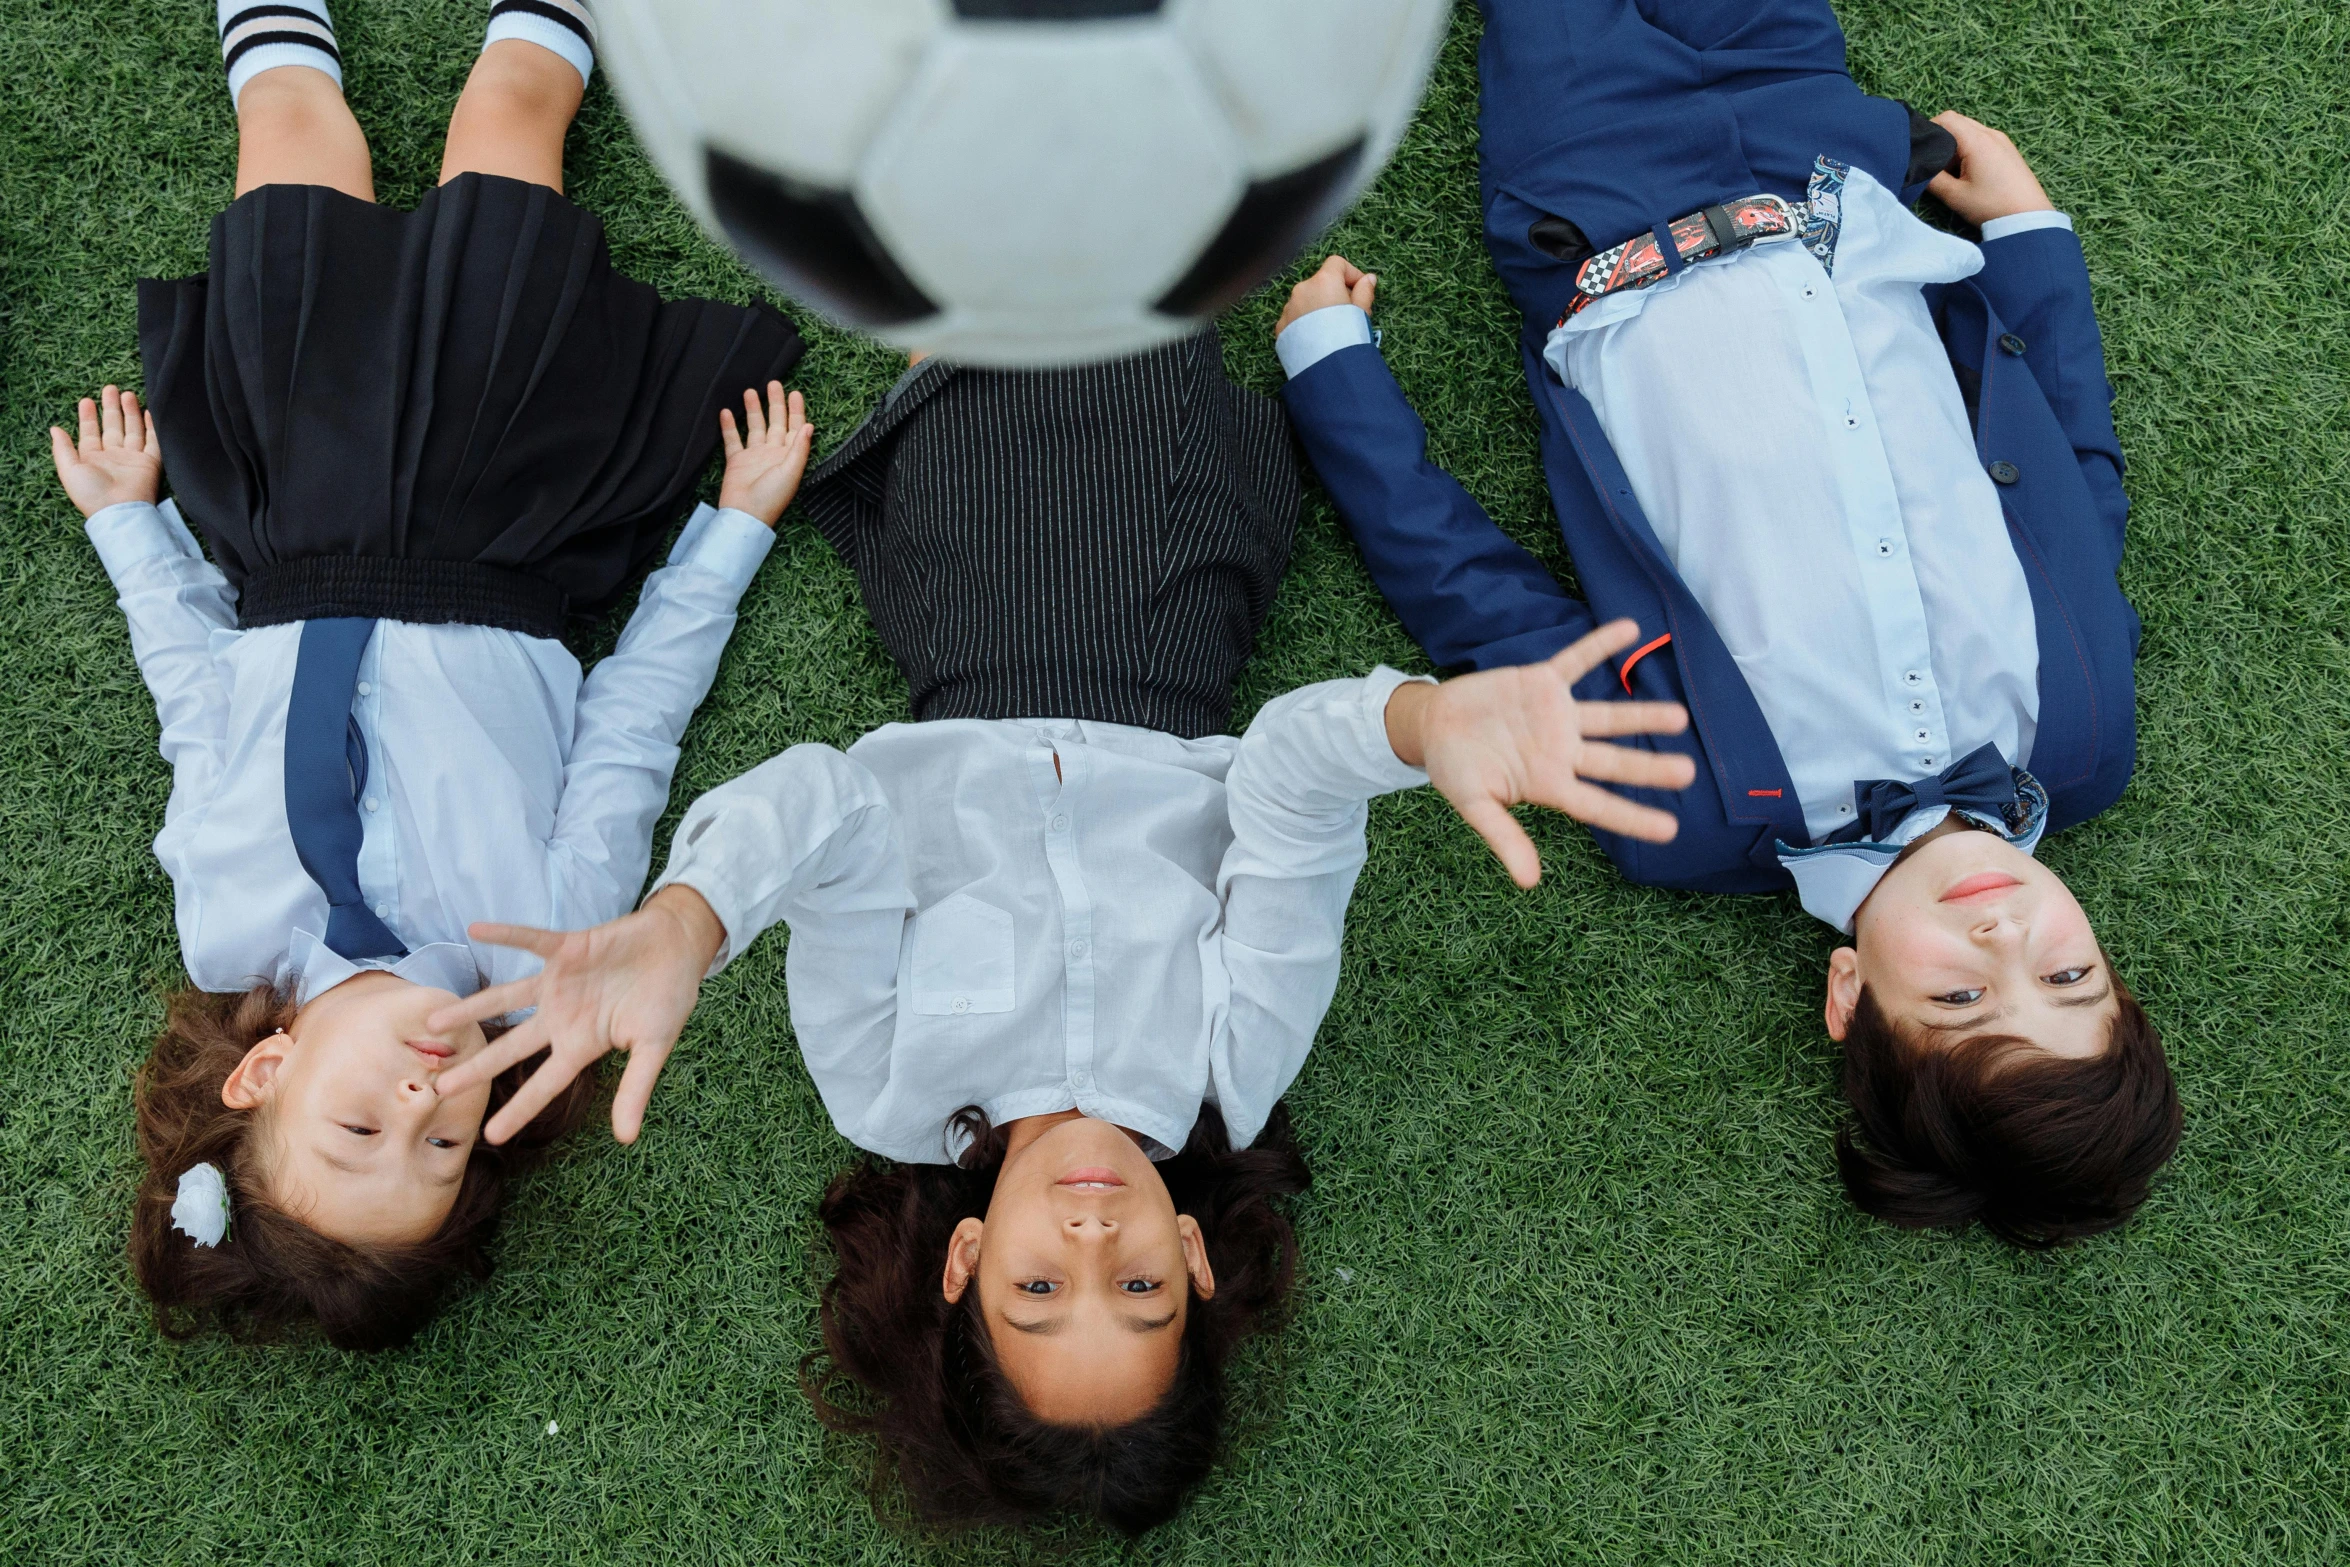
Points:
(1578, 1284)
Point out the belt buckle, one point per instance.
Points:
(1731, 235)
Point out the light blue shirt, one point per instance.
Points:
(501, 785)
(1798, 442)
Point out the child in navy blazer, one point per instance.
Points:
(1857, 479)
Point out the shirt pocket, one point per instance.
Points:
(962, 958)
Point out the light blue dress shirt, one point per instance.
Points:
(501, 785)
(1798, 442)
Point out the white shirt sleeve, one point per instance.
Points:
(1316, 335)
(175, 601)
(634, 709)
(2025, 223)
(807, 839)
(1298, 794)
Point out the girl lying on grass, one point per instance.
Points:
(1059, 946)
(413, 442)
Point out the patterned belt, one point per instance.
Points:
(1717, 231)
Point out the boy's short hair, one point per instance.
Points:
(2038, 1149)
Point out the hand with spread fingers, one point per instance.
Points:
(767, 456)
(118, 458)
(628, 985)
(1503, 737)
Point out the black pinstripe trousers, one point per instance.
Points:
(1101, 542)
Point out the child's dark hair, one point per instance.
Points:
(273, 1271)
(2038, 1149)
(949, 1428)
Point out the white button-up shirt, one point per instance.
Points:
(1152, 927)
(500, 786)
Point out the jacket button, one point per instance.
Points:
(2006, 472)
(2010, 343)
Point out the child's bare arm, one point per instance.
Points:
(1993, 180)
(117, 459)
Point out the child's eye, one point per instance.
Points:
(2070, 976)
(439, 1142)
(1036, 1286)
(1960, 998)
(359, 1131)
(1138, 1286)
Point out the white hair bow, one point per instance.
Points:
(199, 1205)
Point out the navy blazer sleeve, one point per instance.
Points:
(1467, 592)
(2038, 282)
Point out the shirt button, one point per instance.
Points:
(2005, 472)
(962, 1004)
(1922, 735)
(1916, 706)
(1851, 422)
(1060, 824)
(383, 911)
(2009, 343)
(1079, 948)
(365, 689)
(374, 804)
(1929, 761)
(1843, 810)
(1884, 546)
(1912, 677)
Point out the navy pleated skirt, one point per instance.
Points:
(459, 413)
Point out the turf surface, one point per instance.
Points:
(1578, 1283)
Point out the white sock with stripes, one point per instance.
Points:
(257, 37)
(565, 26)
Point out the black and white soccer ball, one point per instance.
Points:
(1020, 182)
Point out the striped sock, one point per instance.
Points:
(256, 38)
(565, 26)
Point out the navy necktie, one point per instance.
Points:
(1980, 781)
(326, 767)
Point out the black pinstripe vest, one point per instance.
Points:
(1101, 542)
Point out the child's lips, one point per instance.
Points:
(1981, 885)
(432, 1052)
(1097, 1177)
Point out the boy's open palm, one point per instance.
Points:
(1503, 737)
(767, 456)
(626, 985)
(118, 458)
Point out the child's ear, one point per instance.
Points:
(1843, 991)
(1195, 1257)
(962, 1258)
(255, 1077)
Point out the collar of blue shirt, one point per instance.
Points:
(317, 968)
(1835, 879)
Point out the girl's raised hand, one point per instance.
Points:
(767, 457)
(118, 458)
(1503, 736)
(626, 985)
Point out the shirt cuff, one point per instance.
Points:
(731, 543)
(1379, 687)
(1316, 335)
(133, 532)
(2025, 223)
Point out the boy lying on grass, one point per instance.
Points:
(1859, 480)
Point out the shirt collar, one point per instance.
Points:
(1835, 879)
(317, 968)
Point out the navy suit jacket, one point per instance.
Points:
(2024, 346)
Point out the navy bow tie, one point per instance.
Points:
(1980, 781)
(326, 768)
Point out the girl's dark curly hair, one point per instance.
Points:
(273, 1271)
(948, 1426)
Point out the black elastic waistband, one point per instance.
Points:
(429, 592)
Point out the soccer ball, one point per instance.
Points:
(1020, 182)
